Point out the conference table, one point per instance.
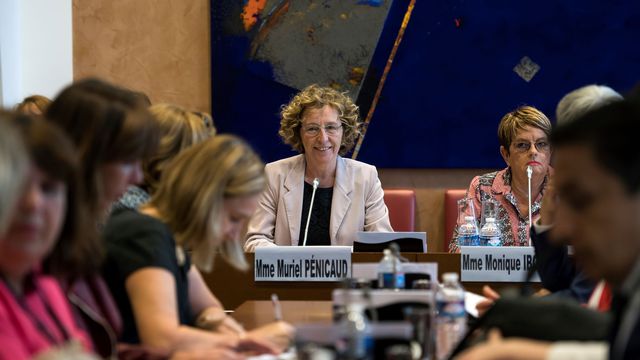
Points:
(254, 313)
(233, 287)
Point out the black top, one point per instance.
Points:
(320, 216)
(135, 241)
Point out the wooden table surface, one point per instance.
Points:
(234, 287)
(256, 313)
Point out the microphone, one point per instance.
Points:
(395, 250)
(529, 173)
(316, 182)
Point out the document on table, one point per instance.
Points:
(470, 302)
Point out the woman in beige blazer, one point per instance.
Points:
(322, 124)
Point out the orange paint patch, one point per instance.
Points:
(250, 13)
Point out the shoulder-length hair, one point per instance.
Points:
(191, 193)
(51, 151)
(13, 161)
(179, 130)
(107, 124)
(316, 97)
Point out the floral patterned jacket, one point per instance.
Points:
(514, 226)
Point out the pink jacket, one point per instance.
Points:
(20, 335)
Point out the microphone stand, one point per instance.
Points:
(316, 182)
(395, 250)
(529, 173)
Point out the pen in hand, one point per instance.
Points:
(277, 309)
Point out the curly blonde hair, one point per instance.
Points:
(316, 97)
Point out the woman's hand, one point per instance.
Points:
(278, 333)
(230, 326)
(491, 296)
(207, 354)
(215, 319)
(542, 292)
(253, 345)
(498, 348)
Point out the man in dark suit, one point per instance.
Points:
(557, 270)
(598, 184)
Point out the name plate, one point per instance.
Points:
(498, 264)
(294, 263)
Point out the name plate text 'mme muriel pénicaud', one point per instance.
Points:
(312, 263)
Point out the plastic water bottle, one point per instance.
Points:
(490, 233)
(390, 273)
(354, 338)
(468, 232)
(451, 319)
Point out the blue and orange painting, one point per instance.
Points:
(460, 67)
(304, 42)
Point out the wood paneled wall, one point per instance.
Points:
(160, 47)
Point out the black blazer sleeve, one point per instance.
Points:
(557, 270)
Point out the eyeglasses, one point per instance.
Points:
(524, 146)
(314, 130)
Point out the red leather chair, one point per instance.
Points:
(402, 208)
(451, 197)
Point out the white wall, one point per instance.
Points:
(10, 50)
(36, 48)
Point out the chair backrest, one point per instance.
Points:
(402, 208)
(451, 197)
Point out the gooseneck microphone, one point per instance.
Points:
(529, 173)
(316, 182)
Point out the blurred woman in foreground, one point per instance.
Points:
(35, 315)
